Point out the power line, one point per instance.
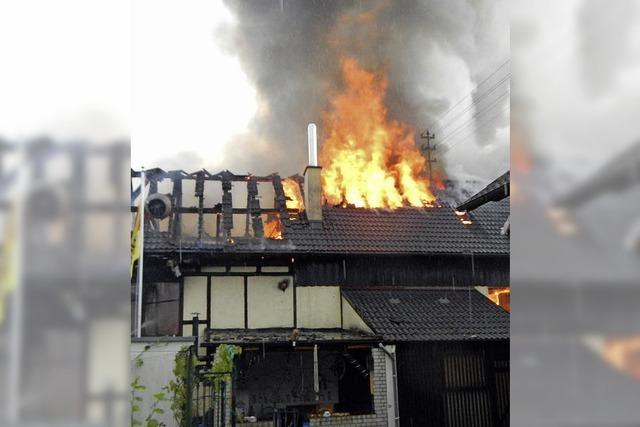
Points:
(486, 122)
(429, 149)
(476, 101)
(477, 113)
(467, 125)
(470, 93)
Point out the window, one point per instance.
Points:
(161, 309)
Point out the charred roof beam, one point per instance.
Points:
(227, 207)
(253, 209)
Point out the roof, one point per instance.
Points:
(429, 314)
(284, 336)
(409, 231)
(436, 230)
(497, 190)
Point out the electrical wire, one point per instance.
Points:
(486, 122)
(476, 102)
(470, 93)
(476, 114)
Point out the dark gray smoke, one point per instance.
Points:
(431, 51)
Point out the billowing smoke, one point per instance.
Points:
(432, 52)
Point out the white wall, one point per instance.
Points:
(227, 302)
(195, 297)
(318, 306)
(351, 319)
(268, 306)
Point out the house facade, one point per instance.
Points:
(340, 315)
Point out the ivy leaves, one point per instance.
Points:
(137, 388)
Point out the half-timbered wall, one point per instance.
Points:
(247, 298)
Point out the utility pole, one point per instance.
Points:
(429, 148)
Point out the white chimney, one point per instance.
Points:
(312, 138)
(312, 185)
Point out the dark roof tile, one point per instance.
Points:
(435, 230)
(430, 314)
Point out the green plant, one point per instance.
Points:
(155, 410)
(177, 387)
(136, 388)
(223, 359)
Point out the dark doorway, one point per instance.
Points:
(354, 386)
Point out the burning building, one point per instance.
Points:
(341, 310)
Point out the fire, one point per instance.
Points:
(273, 227)
(623, 354)
(501, 297)
(293, 193)
(369, 160)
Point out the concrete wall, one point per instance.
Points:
(318, 306)
(268, 306)
(156, 372)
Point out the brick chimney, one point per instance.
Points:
(312, 186)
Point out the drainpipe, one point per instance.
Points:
(394, 368)
(316, 382)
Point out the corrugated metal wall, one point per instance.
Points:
(454, 384)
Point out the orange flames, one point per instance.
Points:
(623, 354)
(293, 193)
(273, 227)
(501, 297)
(368, 159)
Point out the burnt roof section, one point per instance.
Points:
(402, 231)
(430, 314)
(494, 192)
